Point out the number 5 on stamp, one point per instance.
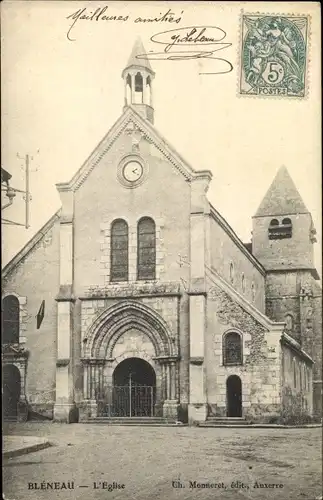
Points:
(273, 55)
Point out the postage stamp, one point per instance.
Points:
(273, 55)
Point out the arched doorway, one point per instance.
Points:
(234, 396)
(11, 391)
(134, 389)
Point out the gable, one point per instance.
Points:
(131, 123)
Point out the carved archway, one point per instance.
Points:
(112, 337)
(112, 323)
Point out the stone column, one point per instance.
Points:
(199, 251)
(173, 381)
(125, 91)
(86, 381)
(64, 408)
(170, 407)
(169, 381)
(100, 380)
(133, 96)
(163, 382)
(197, 409)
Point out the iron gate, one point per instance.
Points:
(129, 401)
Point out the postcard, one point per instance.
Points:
(161, 246)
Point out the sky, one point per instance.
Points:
(61, 96)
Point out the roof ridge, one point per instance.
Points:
(31, 243)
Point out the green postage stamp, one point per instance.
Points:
(273, 57)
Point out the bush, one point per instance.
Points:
(290, 419)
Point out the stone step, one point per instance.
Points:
(150, 421)
(226, 418)
(10, 419)
(223, 422)
(129, 424)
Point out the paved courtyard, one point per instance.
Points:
(165, 463)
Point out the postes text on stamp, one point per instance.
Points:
(273, 58)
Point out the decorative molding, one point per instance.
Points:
(96, 361)
(110, 325)
(166, 359)
(65, 294)
(197, 292)
(197, 360)
(132, 289)
(62, 362)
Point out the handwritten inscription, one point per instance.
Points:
(190, 42)
(104, 14)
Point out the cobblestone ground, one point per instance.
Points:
(147, 461)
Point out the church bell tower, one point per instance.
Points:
(138, 76)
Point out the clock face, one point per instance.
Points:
(132, 171)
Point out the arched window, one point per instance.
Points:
(232, 349)
(138, 88)
(295, 374)
(10, 319)
(146, 269)
(289, 322)
(243, 283)
(231, 272)
(119, 250)
(277, 231)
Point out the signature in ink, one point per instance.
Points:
(211, 38)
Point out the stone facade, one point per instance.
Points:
(206, 284)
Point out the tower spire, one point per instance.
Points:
(138, 76)
(282, 197)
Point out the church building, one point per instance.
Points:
(137, 298)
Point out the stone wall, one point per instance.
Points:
(282, 299)
(36, 279)
(235, 267)
(317, 352)
(297, 295)
(297, 381)
(260, 370)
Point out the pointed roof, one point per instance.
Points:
(138, 50)
(282, 197)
